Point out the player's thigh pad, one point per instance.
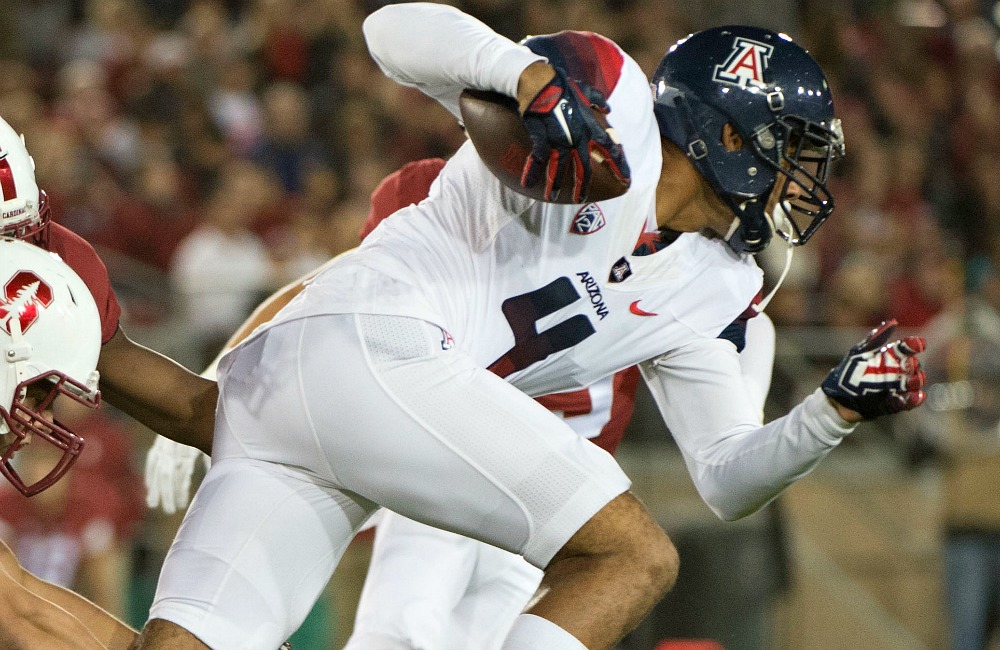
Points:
(375, 405)
(256, 548)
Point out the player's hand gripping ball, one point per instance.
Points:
(561, 151)
(878, 377)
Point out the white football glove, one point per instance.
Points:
(169, 466)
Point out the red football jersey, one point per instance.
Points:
(408, 185)
(82, 258)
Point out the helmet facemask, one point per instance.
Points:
(30, 419)
(806, 159)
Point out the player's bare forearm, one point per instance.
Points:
(38, 614)
(158, 392)
(163, 395)
(159, 633)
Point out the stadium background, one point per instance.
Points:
(214, 149)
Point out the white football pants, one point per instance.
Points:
(322, 419)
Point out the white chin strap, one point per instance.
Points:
(732, 228)
(779, 220)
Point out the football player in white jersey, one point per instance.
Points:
(374, 385)
(430, 588)
(427, 587)
(467, 593)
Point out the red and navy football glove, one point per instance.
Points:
(563, 132)
(878, 377)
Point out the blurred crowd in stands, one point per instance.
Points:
(232, 144)
(213, 150)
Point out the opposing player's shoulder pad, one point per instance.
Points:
(585, 56)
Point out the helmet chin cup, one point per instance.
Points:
(753, 233)
(781, 222)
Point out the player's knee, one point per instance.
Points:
(649, 557)
(662, 562)
(625, 535)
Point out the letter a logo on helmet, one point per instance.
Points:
(24, 295)
(745, 66)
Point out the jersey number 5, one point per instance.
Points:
(523, 313)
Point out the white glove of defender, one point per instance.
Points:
(169, 466)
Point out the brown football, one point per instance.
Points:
(496, 130)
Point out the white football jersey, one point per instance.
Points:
(552, 297)
(549, 296)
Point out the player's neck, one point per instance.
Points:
(685, 202)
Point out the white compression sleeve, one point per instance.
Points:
(757, 358)
(737, 464)
(442, 51)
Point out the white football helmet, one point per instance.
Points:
(50, 339)
(24, 209)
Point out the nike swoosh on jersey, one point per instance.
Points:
(638, 311)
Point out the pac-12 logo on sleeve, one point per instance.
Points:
(588, 220)
(745, 65)
(24, 296)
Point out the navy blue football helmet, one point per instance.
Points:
(777, 98)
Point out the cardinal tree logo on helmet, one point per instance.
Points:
(745, 65)
(24, 296)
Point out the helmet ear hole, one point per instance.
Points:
(731, 138)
